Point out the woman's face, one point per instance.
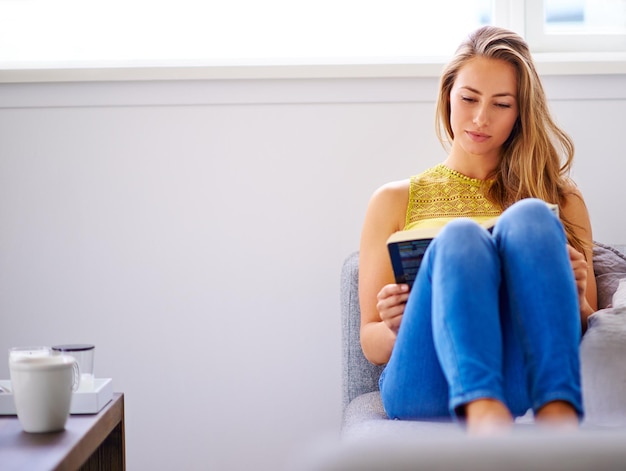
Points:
(483, 106)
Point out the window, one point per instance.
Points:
(235, 32)
(576, 25)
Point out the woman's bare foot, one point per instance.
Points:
(558, 415)
(487, 417)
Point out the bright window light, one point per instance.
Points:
(242, 32)
(233, 31)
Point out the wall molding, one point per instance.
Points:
(274, 91)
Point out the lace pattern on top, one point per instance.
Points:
(442, 193)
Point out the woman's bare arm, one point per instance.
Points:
(382, 301)
(576, 212)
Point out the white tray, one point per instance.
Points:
(83, 402)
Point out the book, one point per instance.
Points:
(407, 247)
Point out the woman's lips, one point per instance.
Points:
(477, 136)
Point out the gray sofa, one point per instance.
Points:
(603, 356)
(369, 440)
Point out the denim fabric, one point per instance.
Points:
(491, 315)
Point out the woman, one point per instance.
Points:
(492, 324)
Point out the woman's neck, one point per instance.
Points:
(480, 167)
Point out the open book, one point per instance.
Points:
(407, 248)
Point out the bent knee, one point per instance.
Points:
(527, 209)
(463, 230)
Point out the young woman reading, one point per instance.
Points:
(492, 325)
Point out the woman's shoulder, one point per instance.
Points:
(401, 187)
(388, 204)
(392, 193)
(574, 208)
(395, 186)
(396, 193)
(572, 195)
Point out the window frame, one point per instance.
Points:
(541, 41)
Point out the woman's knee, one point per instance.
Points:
(526, 220)
(461, 228)
(460, 247)
(529, 210)
(462, 235)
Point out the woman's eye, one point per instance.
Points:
(468, 99)
(503, 105)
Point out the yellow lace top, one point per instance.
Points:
(441, 194)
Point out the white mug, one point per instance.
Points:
(38, 351)
(42, 390)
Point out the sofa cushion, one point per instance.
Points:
(365, 418)
(609, 264)
(603, 369)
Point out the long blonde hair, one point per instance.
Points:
(537, 156)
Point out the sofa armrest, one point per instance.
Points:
(603, 368)
(359, 375)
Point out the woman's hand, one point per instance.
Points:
(391, 301)
(579, 266)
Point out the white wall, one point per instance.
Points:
(194, 232)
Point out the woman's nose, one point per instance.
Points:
(481, 117)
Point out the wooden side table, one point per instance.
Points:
(89, 442)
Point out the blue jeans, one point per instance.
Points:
(491, 315)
